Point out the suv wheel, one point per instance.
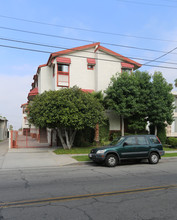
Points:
(111, 160)
(154, 158)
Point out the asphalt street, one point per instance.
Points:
(129, 191)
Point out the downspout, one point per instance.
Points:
(96, 69)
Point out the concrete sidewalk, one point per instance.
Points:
(21, 158)
(34, 158)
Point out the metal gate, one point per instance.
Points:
(28, 138)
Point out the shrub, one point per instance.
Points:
(161, 133)
(172, 141)
(104, 133)
(84, 138)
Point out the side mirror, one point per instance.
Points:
(125, 144)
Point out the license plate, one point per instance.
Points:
(90, 155)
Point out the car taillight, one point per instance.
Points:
(158, 139)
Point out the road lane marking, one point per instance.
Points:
(78, 197)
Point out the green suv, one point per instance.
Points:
(127, 148)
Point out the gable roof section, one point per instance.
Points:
(68, 51)
(24, 104)
(40, 67)
(125, 59)
(99, 47)
(33, 92)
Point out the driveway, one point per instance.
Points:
(3, 151)
(4, 147)
(31, 158)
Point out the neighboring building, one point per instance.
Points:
(90, 67)
(172, 129)
(3, 128)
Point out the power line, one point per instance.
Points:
(27, 49)
(161, 56)
(170, 0)
(150, 4)
(77, 39)
(137, 58)
(52, 46)
(22, 48)
(88, 30)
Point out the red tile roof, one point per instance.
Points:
(127, 65)
(33, 92)
(68, 51)
(88, 90)
(24, 104)
(91, 61)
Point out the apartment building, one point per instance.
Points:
(90, 67)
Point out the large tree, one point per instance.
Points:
(161, 102)
(122, 95)
(66, 110)
(139, 98)
(138, 121)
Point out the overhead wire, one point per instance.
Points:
(85, 29)
(150, 4)
(78, 39)
(59, 47)
(41, 51)
(155, 60)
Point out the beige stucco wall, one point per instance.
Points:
(106, 69)
(114, 120)
(79, 74)
(170, 130)
(24, 122)
(97, 79)
(45, 78)
(3, 129)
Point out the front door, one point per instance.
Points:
(128, 149)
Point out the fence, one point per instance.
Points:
(27, 138)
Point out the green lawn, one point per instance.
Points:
(169, 149)
(81, 158)
(75, 150)
(170, 155)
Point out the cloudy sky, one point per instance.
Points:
(141, 30)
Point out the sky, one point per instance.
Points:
(138, 29)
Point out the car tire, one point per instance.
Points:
(153, 158)
(111, 160)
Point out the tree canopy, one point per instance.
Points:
(139, 98)
(66, 110)
(161, 102)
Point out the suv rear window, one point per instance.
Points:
(154, 140)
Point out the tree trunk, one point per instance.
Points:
(122, 130)
(155, 130)
(67, 139)
(61, 139)
(67, 143)
(72, 137)
(97, 134)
